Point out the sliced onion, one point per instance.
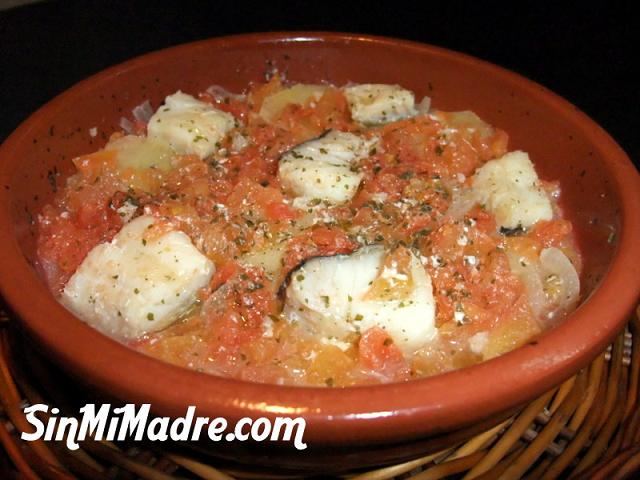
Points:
(555, 263)
(531, 277)
(126, 125)
(551, 283)
(239, 142)
(221, 93)
(143, 112)
(424, 106)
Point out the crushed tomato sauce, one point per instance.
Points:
(232, 204)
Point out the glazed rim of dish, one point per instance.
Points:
(386, 412)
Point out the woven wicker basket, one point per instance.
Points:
(588, 427)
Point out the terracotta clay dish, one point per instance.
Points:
(363, 425)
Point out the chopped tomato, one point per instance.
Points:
(377, 352)
(223, 274)
(64, 241)
(236, 312)
(332, 241)
(91, 166)
(305, 122)
(321, 241)
(484, 220)
(417, 223)
(251, 198)
(551, 233)
(280, 211)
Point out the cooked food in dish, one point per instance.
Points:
(161, 267)
(311, 235)
(324, 169)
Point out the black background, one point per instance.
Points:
(584, 53)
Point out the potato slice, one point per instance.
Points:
(467, 122)
(298, 94)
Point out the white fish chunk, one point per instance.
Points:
(373, 103)
(325, 168)
(189, 125)
(509, 187)
(133, 285)
(333, 297)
